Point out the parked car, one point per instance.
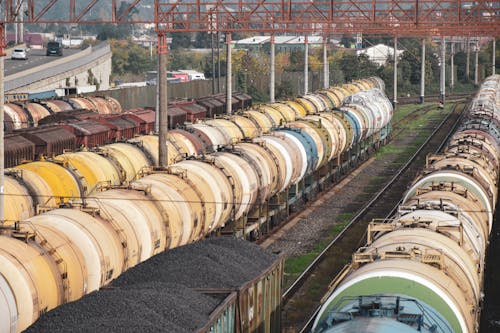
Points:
(19, 54)
(54, 48)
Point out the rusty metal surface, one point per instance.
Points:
(101, 105)
(140, 124)
(148, 116)
(193, 111)
(195, 140)
(20, 117)
(212, 106)
(37, 112)
(57, 105)
(89, 133)
(50, 141)
(18, 149)
(222, 98)
(8, 123)
(64, 116)
(245, 99)
(176, 117)
(119, 126)
(82, 103)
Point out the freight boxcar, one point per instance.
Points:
(176, 117)
(193, 110)
(17, 150)
(50, 141)
(245, 100)
(66, 116)
(212, 105)
(89, 133)
(223, 99)
(120, 127)
(148, 116)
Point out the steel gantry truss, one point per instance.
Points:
(401, 17)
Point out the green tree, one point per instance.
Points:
(366, 66)
(180, 40)
(357, 66)
(284, 90)
(130, 58)
(296, 61)
(139, 60)
(410, 67)
(347, 41)
(460, 62)
(119, 61)
(202, 40)
(113, 31)
(184, 59)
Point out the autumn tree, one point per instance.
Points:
(129, 57)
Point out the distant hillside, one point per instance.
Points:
(101, 10)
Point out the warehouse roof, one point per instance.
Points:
(259, 40)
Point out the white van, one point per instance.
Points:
(193, 75)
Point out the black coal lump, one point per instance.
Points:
(144, 307)
(223, 262)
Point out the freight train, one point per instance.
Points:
(422, 270)
(31, 113)
(77, 122)
(59, 177)
(113, 210)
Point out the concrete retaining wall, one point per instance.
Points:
(133, 97)
(66, 72)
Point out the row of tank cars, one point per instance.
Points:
(107, 209)
(422, 271)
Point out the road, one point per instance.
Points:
(35, 58)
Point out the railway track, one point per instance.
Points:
(303, 297)
(398, 127)
(430, 98)
(266, 239)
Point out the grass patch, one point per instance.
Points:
(337, 228)
(387, 149)
(294, 266)
(376, 179)
(344, 217)
(404, 110)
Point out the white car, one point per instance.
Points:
(19, 54)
